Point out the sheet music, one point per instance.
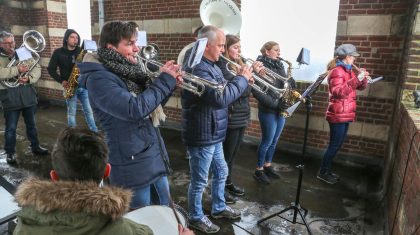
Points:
(197, 52)
(141, 39)
(90, 45)
(376, 80)
(23, 53)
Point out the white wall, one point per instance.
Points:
(78, 17)
(293, 24)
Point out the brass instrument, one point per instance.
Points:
(34, 42)
(290, 96)
(75, 73)
(263, 86)
(361, 74)
(190, 82)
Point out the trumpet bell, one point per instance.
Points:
(222, 14)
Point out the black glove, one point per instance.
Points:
(292, 83)
(282, 105)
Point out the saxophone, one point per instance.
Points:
(75, 72)
(290, 95)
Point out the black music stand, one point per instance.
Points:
(296, 207)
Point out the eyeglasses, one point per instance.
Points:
(8, 43)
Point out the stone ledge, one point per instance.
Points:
(162, 26)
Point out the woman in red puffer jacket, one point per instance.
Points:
(342, 86)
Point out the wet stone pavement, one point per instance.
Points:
(350, 207)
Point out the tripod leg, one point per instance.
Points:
(304, 221)
(275, 214)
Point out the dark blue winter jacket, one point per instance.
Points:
(137, 153)
(205, 117)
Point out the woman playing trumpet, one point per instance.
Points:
(342, 86)
(270, 108)
(239, 112)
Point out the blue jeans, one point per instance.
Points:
(12, 118)
(82, 95)
(338, 132)
(202, 160)
(271, 127)
(142, 196)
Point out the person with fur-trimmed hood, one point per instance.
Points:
(74, 201)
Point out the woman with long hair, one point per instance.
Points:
(239, 113)
(342, 86)
(270, 108)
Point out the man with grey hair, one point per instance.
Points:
(204, 123)
(18, 99)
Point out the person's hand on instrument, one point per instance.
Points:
(171, 68)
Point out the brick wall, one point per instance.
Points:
(404, 185)
(402, 165)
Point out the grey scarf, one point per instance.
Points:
(133, 76)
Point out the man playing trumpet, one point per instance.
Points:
(204, 123)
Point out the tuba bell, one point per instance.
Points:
(222, 14)
(35, 43)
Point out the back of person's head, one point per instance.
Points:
(115, 31)
(79, 155)
(268, 46)
(209, 31)
(5, 34)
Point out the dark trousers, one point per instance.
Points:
(231, 146)
(12, 119)
(338, 133)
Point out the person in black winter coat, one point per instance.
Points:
(270, 108)
(238, 112)
(64, 58)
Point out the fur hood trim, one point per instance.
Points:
(73, 197)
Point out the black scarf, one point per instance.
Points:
(132, 74)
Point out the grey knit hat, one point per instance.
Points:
(346, 49)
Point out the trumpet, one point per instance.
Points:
(263, 86)
(271, 76)
(192, 83)
(361, 74)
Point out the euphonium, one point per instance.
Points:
(35, 43)
(190, 82)
(75, 73)
(262, 86)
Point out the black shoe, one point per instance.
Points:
(11, 158)
(204, 225)
(269, 171)
(334, 175)
(228, 213)
(235, 190)
(327, 178)
(38, 150)
(229, 199)
(260, 176)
